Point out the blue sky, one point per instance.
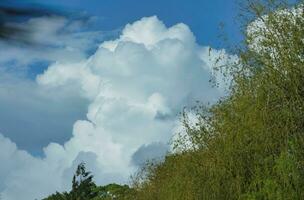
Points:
(202, 16)
(108, 94)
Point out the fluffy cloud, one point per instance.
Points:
(42, 115)
(38, 114)
(136, 86)
(21, 173)
(53, 39)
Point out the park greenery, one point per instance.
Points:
(249, 145)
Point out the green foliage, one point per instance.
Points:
(58, 196)
(250, 144)
(114, 191)
(83, 188)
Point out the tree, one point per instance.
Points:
(83, 186)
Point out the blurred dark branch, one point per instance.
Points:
(27, 12)
(11, 16)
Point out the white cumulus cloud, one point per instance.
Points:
(136, 86)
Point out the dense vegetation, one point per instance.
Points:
(84, 188)
(250, 144)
